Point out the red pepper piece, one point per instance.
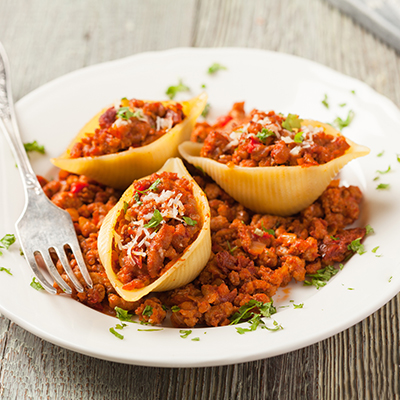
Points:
(76, 187)
(222, 121)
(252, 144)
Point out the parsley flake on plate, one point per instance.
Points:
(34, 146)
(381, 153)
(195, 339)
(384, 172)
(185, 333)
(36, 284)
(123, 315)
(5, 270)
(116, 334)
(325, 101)
(150, 330)
(369, 229)
(398, 157)
(301, 305)
(215, 68)
(321, 277)
(383, 186)
(340, 123)
(120, 326)
(6, 241)
(172, 91)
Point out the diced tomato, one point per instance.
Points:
(222, 121)
(76, 187)
(252, 144)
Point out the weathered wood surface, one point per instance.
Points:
(48, 38)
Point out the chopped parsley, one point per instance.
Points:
(155, 220)
(125, 113)
(200, 169)
(322, 276)
(276, 325)
(123, 315)
(376, 178)
(291, 122)
(215, 68)
(342, 105)
(353, 91)
(203, 86)
(5, 270)
(333, 237)
(246, 311)
(390, 279)
(383, 186)
(384, 172)
(340, 123)
(36, 284)
(357, 247)
(206, 110)
(369, 229)
(381, 153)
(341, 266)
(375, 249)
(172, 91)
(6, 241)
(152, 187)
(116, 334)
(398, 157)
(185, 333)
(231, 249)
(34, 146)
(148, 311)
(126, 205)
(270, 231)
(298, 137)
(120, 326)
(189, 221)
(150, 330)
(350, 288)
(301, 305)
(137, 199)
(264, 133)
(21, 253)
(175, 308)
(195, 339)
(325, 101)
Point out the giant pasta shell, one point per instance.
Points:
(280, 190)
(120, 169)
(189, 264)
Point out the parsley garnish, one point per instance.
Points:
(215, 68)
(277, 327)
(125, 113)
(376, 178)
(203, 86)
(374, 250)
(137, 199)
(148, 311)
(322, 276)
(173, 90)
(189, 221)
(206, 110)
(264, 133)
(301, 305)
(155, 220)
(381, 153)
(21, 253)
(341, 266)
(34, 146)
(246, 311)
(36, 284)
(200, 169)
(6, 241)
(357, 247)
(333, 237)
(390, 279)
(398, 157)
(149, 330)
(123, 315)
(126, 205)
(384, 172)
(342, 105)
(291, 122)
(184, 333)
(5, 270)
(340, 123)
(353, 91)
(120, 326)
(369, 229)
(270, 231)
(231, 249)
(350, 288)
(175, 308)
(196, 339)
(116, 334)
(383, 186)
(298, 137)
(325, 101)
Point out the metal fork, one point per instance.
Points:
(42, 227)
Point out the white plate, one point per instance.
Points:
(53, 114)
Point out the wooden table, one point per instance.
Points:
(48, 38)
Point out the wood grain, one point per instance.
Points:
(46, 39)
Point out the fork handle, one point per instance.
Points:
(8, 124)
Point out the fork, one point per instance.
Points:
(42, 228)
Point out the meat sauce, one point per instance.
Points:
(154, 229)
(134, 123)
(252, 254)
(263, 139)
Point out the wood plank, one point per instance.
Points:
(361, 362)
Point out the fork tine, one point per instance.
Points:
(67, 267)
(54, 273)
(81, 264)
(38, 274)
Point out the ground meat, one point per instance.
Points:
(135, 124)
(252, 254)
